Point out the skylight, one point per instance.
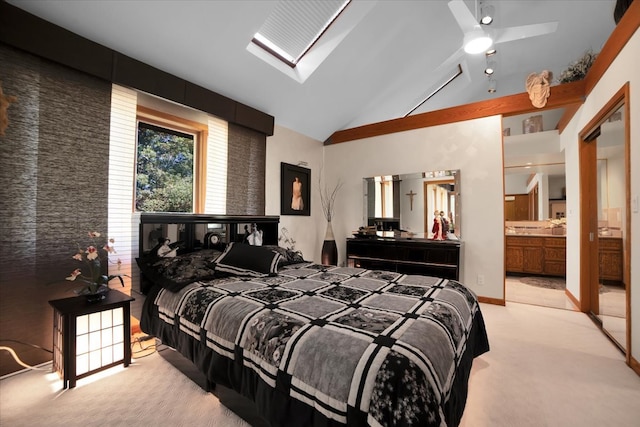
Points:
(295, 26)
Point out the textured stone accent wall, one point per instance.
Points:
(53, 187)
(246, 171)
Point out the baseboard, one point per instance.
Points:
(573, 299)
(634, 364)
(495, 301)
(44, 366)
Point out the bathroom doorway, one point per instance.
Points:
(535, 225)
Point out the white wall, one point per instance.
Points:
(515, 184)
(625, 68)
(291, 147)
(542, 181)
(556, 187)
(474, 147)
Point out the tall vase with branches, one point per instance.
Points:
(327, 199)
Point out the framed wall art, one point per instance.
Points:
(532, 125)
(295, 190)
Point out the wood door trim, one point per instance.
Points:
(588, 223)
(626, 273)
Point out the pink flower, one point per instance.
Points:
(92, 253)
(94, 277)
(74, 274)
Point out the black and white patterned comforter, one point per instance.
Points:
(318, 345)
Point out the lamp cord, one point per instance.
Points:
(18, 361)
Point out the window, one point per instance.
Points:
(169, 164)
(298, 36)
(293, 27)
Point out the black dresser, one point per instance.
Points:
(407, 256)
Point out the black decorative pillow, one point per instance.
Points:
(177, 272)
(288, 256)
(247, 260)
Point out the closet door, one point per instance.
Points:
(605, 220)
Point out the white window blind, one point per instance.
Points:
(217, 154)
(122, 158)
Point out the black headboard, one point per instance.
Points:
(195, 231)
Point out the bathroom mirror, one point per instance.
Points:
(408, 201)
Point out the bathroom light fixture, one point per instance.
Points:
(486, 14)
(490, 52)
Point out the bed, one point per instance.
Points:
(316, 345)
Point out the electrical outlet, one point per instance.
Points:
(480, 279)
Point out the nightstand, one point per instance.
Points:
(89, 337)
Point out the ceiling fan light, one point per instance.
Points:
(493, 86)
(491, 68)
(477, 42)
(486, 14)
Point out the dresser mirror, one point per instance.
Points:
(407, 202)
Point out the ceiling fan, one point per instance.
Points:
(478, 38)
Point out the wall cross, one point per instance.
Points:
(411, 194)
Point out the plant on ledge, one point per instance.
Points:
(94, 282)
(578, 69)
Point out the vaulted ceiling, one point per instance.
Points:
(386, 65)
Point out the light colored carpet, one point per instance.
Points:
(150, 392)
(546, 367)
(549, 367)
(517, 291)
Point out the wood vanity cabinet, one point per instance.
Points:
(548, 256)
(536, 255)
(440, 259)
(555, 256)
(610, 258)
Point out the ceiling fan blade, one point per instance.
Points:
(524, 31)
(463, 15)
(452, 60)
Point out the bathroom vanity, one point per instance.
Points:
(546, 255)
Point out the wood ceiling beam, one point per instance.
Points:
(561, 95)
